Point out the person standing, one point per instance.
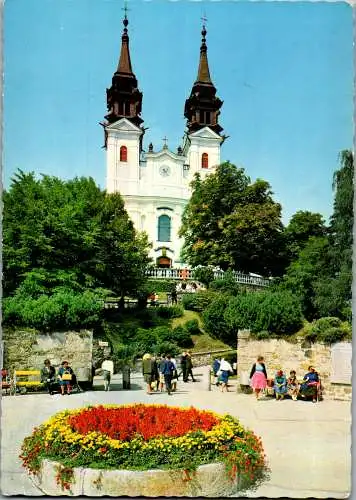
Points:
(161, 375)
(107, 367)
(216, 368)
(189, 367)
(174, 296)
(174, 376)
(155, 383)
(183, 366)
(168, 370)
(224, 372)
(258, 376)
(148, 371)
(65, 375)
(48, 375)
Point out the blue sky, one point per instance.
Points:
(283, 69)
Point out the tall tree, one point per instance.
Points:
(232, 223)
(69, 227)
(303, 225)
(333, 289)
(341, 223)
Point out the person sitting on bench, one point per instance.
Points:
(48, 375)
(65, 375)
(309, 386)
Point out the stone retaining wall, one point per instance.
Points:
(206, 358)
(27, 349)
(298, 356)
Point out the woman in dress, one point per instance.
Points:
(309, 386)
(280, 385)
(258, 376)
(292, 385)
(225, 371)
(65, 375)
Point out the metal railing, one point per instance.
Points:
(188, 274)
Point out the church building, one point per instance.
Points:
(155, 184)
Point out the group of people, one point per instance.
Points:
(282, 385)
(161, 372)
(65, 377)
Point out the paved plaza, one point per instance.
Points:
(307, 445)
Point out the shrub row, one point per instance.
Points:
(61, 310)
(198, 301)
(277, 312)
(328, 330)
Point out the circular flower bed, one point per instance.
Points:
(144, 437)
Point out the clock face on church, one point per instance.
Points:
(164, 170)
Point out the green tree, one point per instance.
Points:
(121, 253)
(204, 274)
(302, 274)
(232, 223)
(53, 227)
(333, 288)
(301, 227)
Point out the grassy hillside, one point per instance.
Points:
(202, 342)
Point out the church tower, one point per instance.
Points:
(123, 126)
(202, 109)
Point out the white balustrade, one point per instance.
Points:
(186, 274)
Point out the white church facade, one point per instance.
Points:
(155, 184)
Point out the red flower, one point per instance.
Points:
(144, 420)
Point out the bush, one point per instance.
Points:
(333, 335)
(192, 327)
(182, 337)
(227, 284)
(321, 325)
(242, 311)
(197, 301)
(214, 321)
(264, 335)
(166, 348)
(58, 311)
(161, 285)
(124, 354)
(329, 330)
(204, 274)
(279, 312)
(170, 311)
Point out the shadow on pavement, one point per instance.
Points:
(118, 387)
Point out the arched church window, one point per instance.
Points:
(204, 160)
(123, 153)
(164, 228)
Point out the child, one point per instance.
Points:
(292, 385)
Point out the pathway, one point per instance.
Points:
(308, 445)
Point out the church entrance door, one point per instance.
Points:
(164, 262)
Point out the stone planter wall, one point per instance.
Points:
(26, 349)
(298, 356)
(209, 481)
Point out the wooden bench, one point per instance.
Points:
(26, 378)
